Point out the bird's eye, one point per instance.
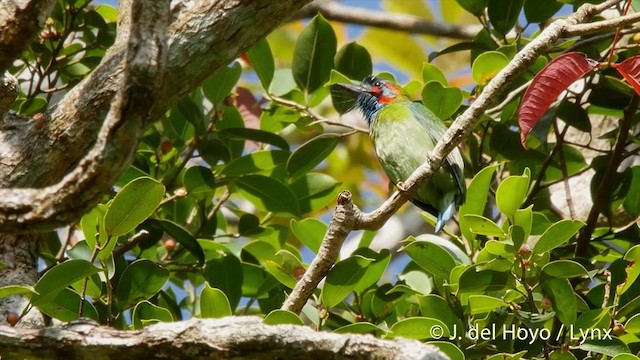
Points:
(377, 84)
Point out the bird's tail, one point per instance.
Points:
(446, 211)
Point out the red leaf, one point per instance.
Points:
(547, 86)
(630, 70)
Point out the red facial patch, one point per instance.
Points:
(383, 99)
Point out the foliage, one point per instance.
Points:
(226, 200)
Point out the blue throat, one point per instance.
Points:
(368, 106)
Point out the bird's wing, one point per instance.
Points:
(436, 128)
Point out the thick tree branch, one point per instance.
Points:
(226, 338)
(392, 21)
(20, 20)
(38, 152)
(347, 217)
(117, 140)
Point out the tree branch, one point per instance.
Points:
(17, 26)
(38, 152)
(117, 140)
(226, 338)
(347, 217)
(385, 20)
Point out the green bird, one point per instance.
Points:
(403, 133)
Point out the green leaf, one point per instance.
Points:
(597, 320)
(477, 194)
(540, 10)
(500, 248)
(140, 281)
(522, 219)
(472, 281)
(199, 181)
(360, 328)
(374, 270)
(225, 273)
(268, 194)
(261, 60)
(219, 85)
(283, 267)
(511, 193)
(354, 61)
(314, 191)
(633, 269)
(310, 232)
(610, 347)
(59, 277)
(11, 290)
(564, 269)
(430, 73)
(214, 303)
(278, 317)
(481, 304)
(487, 65)
(313, 54)
(419, 328)
(343, 278)
(65, 306)
(438, 308)
(182, 236)
(261, 136)
(458, 254)
(311, 153)
(108, 13)
(632, 200)
(480, 225)
(33, 106)
(450, 350)
(443, 101)
(556, 235)
(563, 302)
(632, 325)
(146, 313)
(504, 16)
(263, 162)
(282, 83)
(133, 204)
(431, 257)
(625, 357)
(476, 7)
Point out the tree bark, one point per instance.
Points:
(226, 338)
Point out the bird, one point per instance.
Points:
(403, 133)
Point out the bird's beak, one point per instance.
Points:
(357, 89)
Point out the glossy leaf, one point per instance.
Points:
(11, 290)
(33, 106)
(182, 236)
(472, 281)
(564, 269)
(437, 307)
(632, 200)
(310, 232)
(65, 306)
(283, 267)
(278, 317)
(632, 270)
(430, 73)
(374, 270)
(450, 350)
(504, 15)
(443, 101)
(132, 205)
(261, 60)
(261, 136)
(199, 181)
(540, 10)
(146, 313)
(225, 273)
(354, 61)
(268, 194)
(311, 153)
(59, 277)
(219, 85)
(512, 192)
(214, 303)
(258, 162)
(419, 328)
(314, 191)
(556, 235)
(486, 66)
(610, 347)
(480, 225)
(314, 54)
(476, 7)
(481, 304)
(431, 257)
(547, 85)
(140, 281)
(360, 328)
(630, 70)
(343, 278)
(563, 301)
(477, 193)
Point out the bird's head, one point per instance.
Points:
(373, 94)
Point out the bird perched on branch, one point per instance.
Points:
(403, 133)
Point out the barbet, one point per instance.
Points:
(403, 133)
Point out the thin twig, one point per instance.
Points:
(133, 241)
